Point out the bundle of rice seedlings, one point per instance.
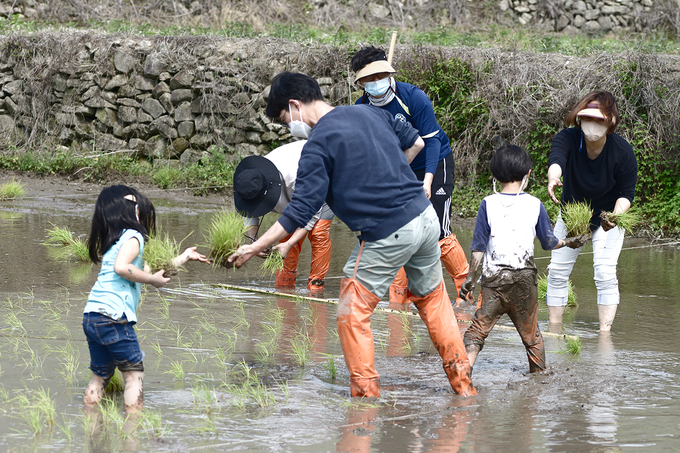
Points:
(159, 252)
(74, 248)
(543, 291)
(576, 217)
(273, 263)
(225, 236)
(626, 220)
(11, 190)
(59, 236)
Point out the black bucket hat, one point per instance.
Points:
(257, 186)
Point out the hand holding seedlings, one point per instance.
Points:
(577, 241)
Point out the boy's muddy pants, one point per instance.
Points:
(519, 299)
(415, 247)
(319, 238)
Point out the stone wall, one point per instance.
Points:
(164, 98)
(594, 16)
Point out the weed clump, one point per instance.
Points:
(11, 190)
(225, 236)
(576, 217)
(627, 221)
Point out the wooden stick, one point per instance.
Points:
(271, 292)
(390, 54)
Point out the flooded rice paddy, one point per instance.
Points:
(231, 370)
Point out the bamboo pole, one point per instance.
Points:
(271, 292)
(390, 53)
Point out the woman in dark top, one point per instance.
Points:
(598, 167)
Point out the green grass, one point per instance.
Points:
(73, 248)
(11, 190)
(576, 217)
(225, 235)
(59, 236)
(543, 290)
(273, 263)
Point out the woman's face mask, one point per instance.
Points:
(377, 88)
(298, 128)
(593, 130)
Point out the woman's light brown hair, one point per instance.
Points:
(607, 105)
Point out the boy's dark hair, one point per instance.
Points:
(510, 163)
(365, 56)
(114, 213)
(291, 85)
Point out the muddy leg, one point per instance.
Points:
(524, 315)
(94, 391)
(133, 395)
(485, 318)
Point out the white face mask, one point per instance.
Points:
(377, 88)
(298, 128)
(593, 130)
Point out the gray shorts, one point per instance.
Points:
(415, 246)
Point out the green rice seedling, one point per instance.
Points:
(117, 383)
(330, 367)
(67, 428)
(572, 345)
(159, 252)
(627, 221)
(273, 263)
(543, 291)
(225, 235)
(151, 423)
(111, 415)
(38, 410)
(59, 236)
(70, 360)
(157, 349)
(301, 346)
(11, 190)
(576, 217)
(177, 370)
(249, 388)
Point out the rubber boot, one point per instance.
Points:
(399, 288)
(437, 313)
(320, 240)
(455, 262)
(355, 306)
(607, 313)
(286, 277)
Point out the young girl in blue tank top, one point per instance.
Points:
(119, 230)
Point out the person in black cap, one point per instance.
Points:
(265, 184)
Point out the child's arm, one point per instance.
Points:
(189, 254)
(123, 266)
(469, 283)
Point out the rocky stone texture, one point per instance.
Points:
(143, 95)
(593, 16)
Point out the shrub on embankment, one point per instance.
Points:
(179, 107)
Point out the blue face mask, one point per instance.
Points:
(377, 88)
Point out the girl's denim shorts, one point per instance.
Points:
(112, 344)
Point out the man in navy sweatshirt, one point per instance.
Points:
(357, 160)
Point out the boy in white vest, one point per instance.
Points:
(507, 223)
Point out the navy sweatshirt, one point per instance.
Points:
(412, 104)
(354, 161)
(600, 181)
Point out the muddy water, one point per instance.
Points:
(228, 370)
